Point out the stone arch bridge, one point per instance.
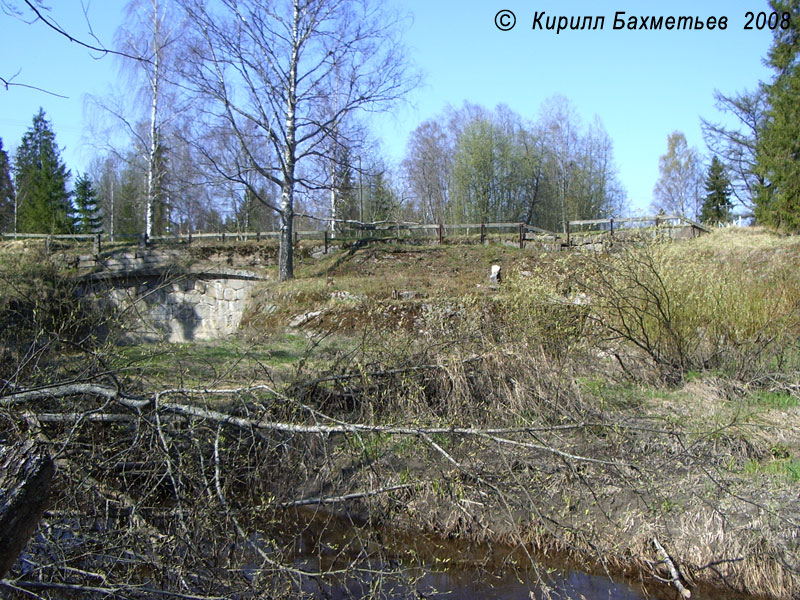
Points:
(161, 300)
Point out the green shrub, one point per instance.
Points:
(688, 310)
(535, 312)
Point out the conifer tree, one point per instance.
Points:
(346, 187)
(43, 202)
(6, 192)
(717, 203)
(778, 200)
(380, 200)
(88, 217)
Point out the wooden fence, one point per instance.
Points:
(517, 233)
(395, 231)
(608, 226)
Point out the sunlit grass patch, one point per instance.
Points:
(227, 361)
(787, 468)
(774, 399)
(619, 395)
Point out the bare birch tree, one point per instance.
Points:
(152, 32)
(428, 167)
(267, 71)
(679, 186)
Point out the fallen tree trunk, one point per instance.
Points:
(26, 471)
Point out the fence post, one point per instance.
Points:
(612, 226)
(325, 237)
(483, 233)
(567, 228)
(96, 248)
(223, 237)
(296, 239)
(521, 236)
(441, 233)
(47, 242)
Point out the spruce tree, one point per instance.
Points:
(347, 198)
(6, 192)
(88, 217)
(252, 215)
(717, 203)
(380, 200)
(128, 216)
(43, 202)
(778, 157)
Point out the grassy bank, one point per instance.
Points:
(656, 387)
(587, 406)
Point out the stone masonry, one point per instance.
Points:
(175, 305)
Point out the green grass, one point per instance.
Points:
(786, 468)
(778, 400)
(616, 395)
(232, 361)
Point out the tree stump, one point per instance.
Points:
(26, 471)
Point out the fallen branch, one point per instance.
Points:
(138, 404)
(673, 570)
(90, 417)
(346, 497)
(75, 389)
(113, 591)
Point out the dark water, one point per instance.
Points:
(405, 565)
(412, 566)
(570, 584)
(463, 584)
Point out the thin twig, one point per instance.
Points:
(346, 497)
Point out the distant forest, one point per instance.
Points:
(235, 116)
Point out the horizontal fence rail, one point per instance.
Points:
(658, 220)
(520, 232)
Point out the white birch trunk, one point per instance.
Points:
(112, 210)
(286, 250)
(332, 224)
(151, 162)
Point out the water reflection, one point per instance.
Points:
(395, 565)
(463, 584)
(571, 585)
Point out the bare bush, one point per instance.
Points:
(684, 312)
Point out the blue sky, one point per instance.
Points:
(641, 84)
